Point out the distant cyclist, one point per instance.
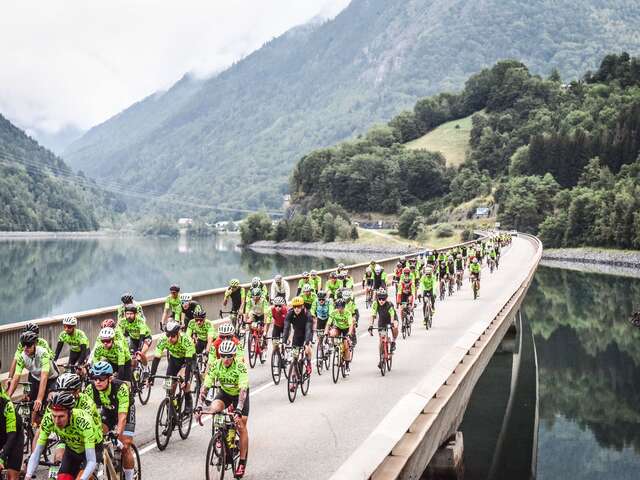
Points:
(172, 306)
(76, 339)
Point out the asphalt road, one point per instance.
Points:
(310, 438)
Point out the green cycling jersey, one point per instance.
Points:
(342, 320)
(120, 311)
(134, 329)
(261, 308)
(474, 268)
(115, 355)
(75, 340)
(232, 379)
(183, 348)
(41, 342)
(202, 331)
(428, 283)
(174, 305)
(80, 434)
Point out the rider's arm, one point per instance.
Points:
(90, 464)
(124, 401)
(58, 347)
(287, 326)
(308, 329)
(10, 431)
(34, 460)
(243, 384)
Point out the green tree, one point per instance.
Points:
(257, 226)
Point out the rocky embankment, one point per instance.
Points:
(333, 247)
(622, 258)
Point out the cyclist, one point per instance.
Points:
(75, 338)
(340, 269)
(351, 307)
(299, 320)
(182, 354)
(428, 286)
(76, 429)
(11, 437)
(493, 255)
(41, 342)
(108, 348)
(302, 282)
(321, 312)
(367, 279)
(278, 313)
(431, 258)
(226, 331)
(397, 273)
(280, 288)
(42, 369)
(406, 291)
(202, 332)
(127, 299)
(258, 311)
(464, 253)
(379, 278)
(189, 308)
(234, 390)
(340, 323)
(309, 297)
(117, 410)
(135, 328)
(257, 283)
(474, 271)
(386, 315)
(315, 280)
(237, 295)
(459, 265)
(347, 279)
(333, 285)
(172, 306)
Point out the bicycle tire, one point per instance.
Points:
(306, 377)
(319, 356)
(216, 459)
(276, 369)
(137, 465)
(183, 418)
(335, 364)
(389, 361)
(263, 355)
(292, 382)
(144, 391)
(382, 365)
(164, 407)
(252, 350)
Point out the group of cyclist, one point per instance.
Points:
(82, 405)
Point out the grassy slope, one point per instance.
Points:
(452, 142)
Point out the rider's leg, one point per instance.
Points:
(244, 437)
(128, 462)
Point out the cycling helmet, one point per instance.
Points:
(403, 258)
(406, 270)
(28, 338)
(313, 273)
(256, 292)
(227, 347)
(377, 268)
(306, 288)
(255, 282)
(126, 298)
(69, 381)
(368, 269)
(200, 314)
(475, 260)
(333, 275)
(172, 328)
(346, 294)
(107, 334)
(278, 301)
(69, 320)
(297, 302)
(322, 295)
(413, 261)
(234, 283)
(429, 269)
(174, 288)
(305, 274)
(277, 278)
(226, 329)
(450, 258)
(382, 294)
(130, 307)
(459, 256)
(62, 400)
(399, 265)
(32, 327)
(101, 369)
(185, 297)
(340, 303)
(108, 323)
(340, 266)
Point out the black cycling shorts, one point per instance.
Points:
(136, 345)
(321, 323)
(341, 331)
(14, 457)
(201, 345)
(227, 399)
(297, 341)
(73, 462)
(110, 419)
(35, 386)
(174, 365)
(276, 332)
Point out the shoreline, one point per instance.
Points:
(334, 247)
(593, 256)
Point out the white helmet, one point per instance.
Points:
(255, 281)
(368, 269)
(107, 333)
(307, 288)
(70, 320)
(227, 347)
(226, 329)
(185, 297)
(378, 268)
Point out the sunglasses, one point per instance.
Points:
(226, 356)
(106, 342)
(102, 378)
(172, 335)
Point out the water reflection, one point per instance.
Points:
(51, 276)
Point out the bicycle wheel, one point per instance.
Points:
(137, 465)
(404, 327)
(184, 420)
(164, 424)
(336, 359)
(305, 366)
(252, 347)
(216, 464)
(389, 358)
(292, 381)
(276, 370)
(144, 389)
(343, 366)
(382, 365)
(409, 328)
(263, 355)
(319, 356)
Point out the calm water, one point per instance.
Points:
(46, 277)
(589, 385)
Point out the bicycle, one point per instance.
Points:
(459, 279)
(322, 352)
(406, 318)
(140, 380)
(427, 311)
(278, 364)
(442, 288)
(368, 301)
(338, 363)
(299, 376)
(451, 282)
(112, 460)
(386, 355)
(491, 264)
(171, 412)
(223, 452)
(255, 344)
(475, 284)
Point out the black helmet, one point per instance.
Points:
(382, 294)
(174, 288)
(130, 307)
(32, 327)
(340, 303)
(62, 399)
(322, 295)
(200, 314)
(126, 298)
(172, 328)
(28, 338)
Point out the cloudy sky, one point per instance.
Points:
(77, 62)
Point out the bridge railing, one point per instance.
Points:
(403, 444)
(89, 320)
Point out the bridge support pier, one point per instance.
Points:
(509, 343)
(447, 462)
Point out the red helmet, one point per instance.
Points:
(109, 323)
(406, 270)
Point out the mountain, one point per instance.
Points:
(56, 141)
(232, 139)
(35, 191)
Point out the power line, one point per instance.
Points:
(113, 187)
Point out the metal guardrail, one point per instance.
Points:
(404, 442)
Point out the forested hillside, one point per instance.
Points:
(34, 192)
(234, 138)
(562, 156)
